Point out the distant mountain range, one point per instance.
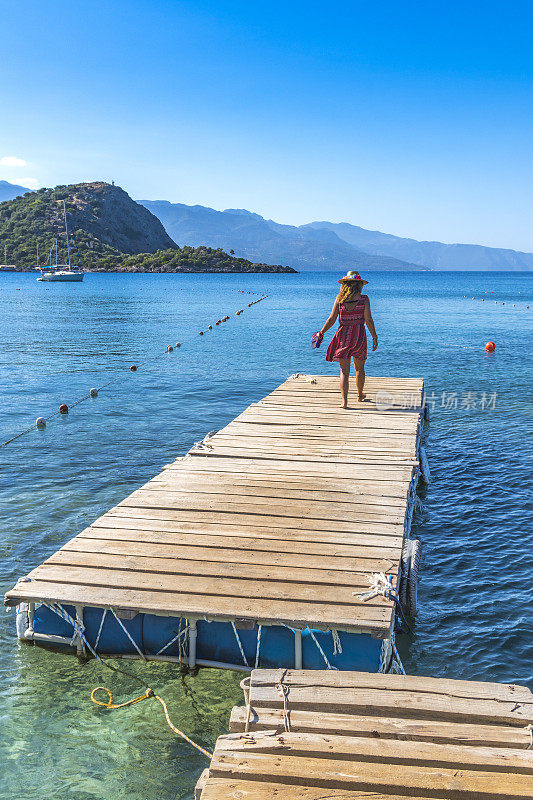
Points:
(324, 245)
(316, 245)
(8, 191)
(256, 238)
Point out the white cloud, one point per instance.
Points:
(30, 183)
(12, 161)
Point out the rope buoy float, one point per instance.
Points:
(93, 392)
(490, 347)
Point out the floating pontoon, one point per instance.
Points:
(279, 541)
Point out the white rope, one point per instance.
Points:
(337, 646)
(203, 444)
(100, 629)
(307, 378)
(76, 626)
(380, 586)
(258, 646)
(383, 660)
(530, 729)
(315, 640)
(174, 638)
(130, 637)
(397, 659)
(243, 654)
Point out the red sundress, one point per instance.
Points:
(350, 337)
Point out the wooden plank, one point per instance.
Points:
(268, 415)
(238, 789)
(300, 445)
(452, 784)
(321, 429)
(249, 789)
(386, 702)
(270, 455)
(431, 730)
(372, 445)
(384, 751)
(415, 683)
(175, 604)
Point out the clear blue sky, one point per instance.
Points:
(413, 118)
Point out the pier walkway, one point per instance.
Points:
(317, 735)
(279, 518)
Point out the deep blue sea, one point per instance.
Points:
(58, 340)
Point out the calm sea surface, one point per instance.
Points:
(58, 340)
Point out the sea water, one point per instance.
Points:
(59, 340)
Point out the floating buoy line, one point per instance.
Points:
(64, 409)
(496, 302)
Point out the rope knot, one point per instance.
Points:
(380, 586)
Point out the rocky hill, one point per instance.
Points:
(110, 232)
(104, 219)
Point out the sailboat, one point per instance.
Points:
(5, 267)
(62, 272)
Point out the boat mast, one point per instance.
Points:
(66, 231)
(56, 251)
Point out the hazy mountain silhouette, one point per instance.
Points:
(258, 239)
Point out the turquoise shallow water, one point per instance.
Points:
(58, 341)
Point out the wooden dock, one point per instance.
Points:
(280, 517)
(353, 735)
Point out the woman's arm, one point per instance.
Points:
(370, 324)
(331, 319)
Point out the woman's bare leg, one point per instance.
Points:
(344, 364)
(360, 377)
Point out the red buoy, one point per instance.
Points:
(201, 333)
(133, 368)
(490, 347)
(63, 408)
(169, 348)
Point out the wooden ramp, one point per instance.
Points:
(348, 735)
(278, 518)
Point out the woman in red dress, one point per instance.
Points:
(353, 310)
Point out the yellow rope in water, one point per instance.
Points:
(111, 705)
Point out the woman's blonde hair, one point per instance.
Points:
(349, 289)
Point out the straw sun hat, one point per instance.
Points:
(352, 276)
